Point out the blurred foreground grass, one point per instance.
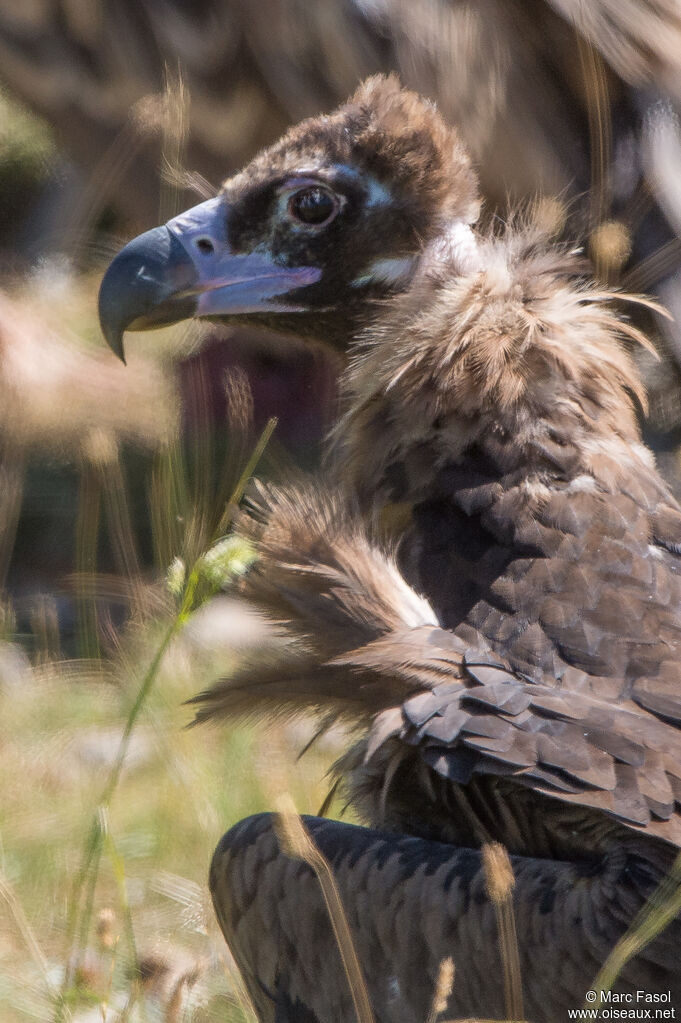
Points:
(100, 492)
(148, 947)
(179, 791)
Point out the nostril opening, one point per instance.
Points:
(205, 245)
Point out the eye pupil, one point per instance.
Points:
(312, 205)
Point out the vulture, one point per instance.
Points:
(485, 583)
(557, 96)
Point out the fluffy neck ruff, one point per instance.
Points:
(499, 348)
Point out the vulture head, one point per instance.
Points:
(313, 233)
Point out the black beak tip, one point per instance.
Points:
(114, 339)
(113, 315)
(147, 285)
(120, 352)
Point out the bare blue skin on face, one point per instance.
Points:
(227, 282)
(188, 268)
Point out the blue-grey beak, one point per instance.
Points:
(187, 268)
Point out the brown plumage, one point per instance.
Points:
(455, 748)
(556, 97)
(511, 668)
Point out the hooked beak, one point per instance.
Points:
(187, 268)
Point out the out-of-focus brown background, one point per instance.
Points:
(111, 475)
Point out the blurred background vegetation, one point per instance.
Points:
(115, 481)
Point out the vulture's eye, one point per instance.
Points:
(313, 205)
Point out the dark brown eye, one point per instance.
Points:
(313, 205)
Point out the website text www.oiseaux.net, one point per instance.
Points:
(606, 1005)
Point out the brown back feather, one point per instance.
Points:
(440, 706)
